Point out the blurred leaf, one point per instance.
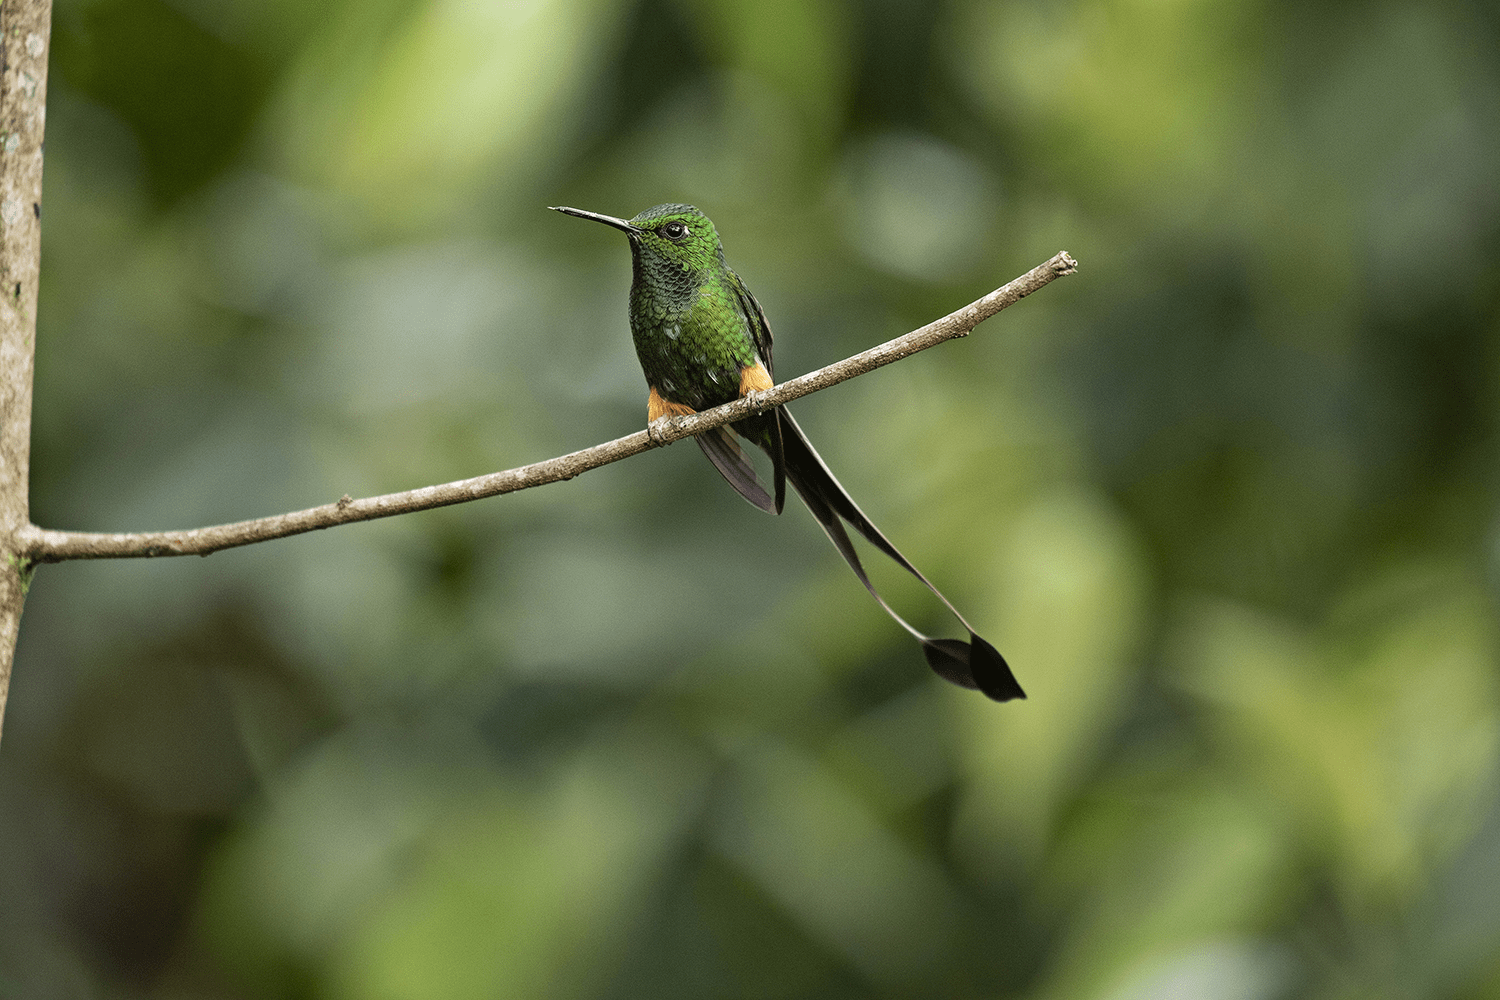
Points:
(519, 895)
(442, 97)
(188, 96)
(800, 47)
(816, 849)
(1068, 559)
(1378, 740)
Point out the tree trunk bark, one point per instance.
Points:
(25, 34)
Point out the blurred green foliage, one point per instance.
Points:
(1226, 499)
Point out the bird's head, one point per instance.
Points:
(677, 234)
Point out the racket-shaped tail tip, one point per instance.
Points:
(992, 673)
(975, 665)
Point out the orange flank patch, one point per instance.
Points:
(656, 408)
(755, 379)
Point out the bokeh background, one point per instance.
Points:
(1227, 499)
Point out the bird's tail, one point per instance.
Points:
(972, 664)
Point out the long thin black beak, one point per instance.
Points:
(608, 220)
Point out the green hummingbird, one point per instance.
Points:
(703, 340)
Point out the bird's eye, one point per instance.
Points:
(674, 230)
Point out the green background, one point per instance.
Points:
(1226, 499)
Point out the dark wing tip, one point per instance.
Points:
(720, 447)
(975, 665)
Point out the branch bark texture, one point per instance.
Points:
(42, 545)
(25, 31)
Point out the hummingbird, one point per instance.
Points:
(703, 340)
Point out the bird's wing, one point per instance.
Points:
(725, 452)
(755, 318)
(764, 433)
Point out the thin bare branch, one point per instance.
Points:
(43, 545)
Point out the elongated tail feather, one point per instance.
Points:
(972, 664)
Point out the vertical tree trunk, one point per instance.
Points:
(25, 33)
